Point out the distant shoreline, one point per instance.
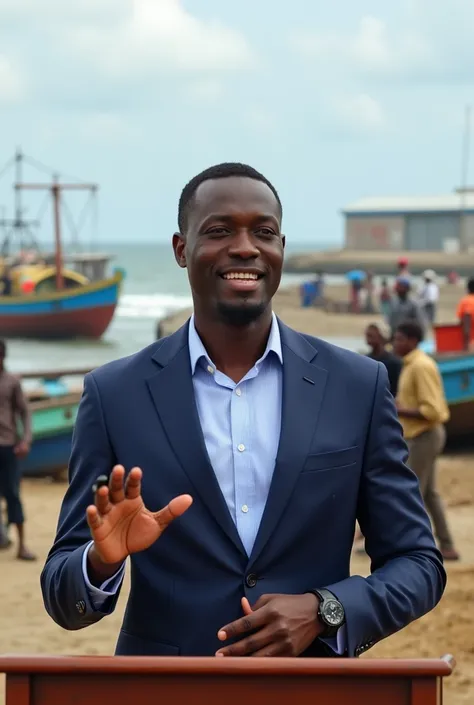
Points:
(382, 263)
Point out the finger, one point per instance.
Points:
(102, 502)
(94, 520)
(250, 644)
(116, 488)
(246, 606)
(244, 625)
(274, 649)
(133, 484)
(173, 510)
(263, 600)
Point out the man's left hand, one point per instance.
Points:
(22, 449)
(277, 625)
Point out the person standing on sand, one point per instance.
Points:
(377, 340)
(404, 308)
(423, 411)
(13, 405)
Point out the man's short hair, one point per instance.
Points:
(3, 348)
(411, 330)
(470, 285)
(219, 171)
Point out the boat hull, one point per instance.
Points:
(48, 456)
(85, 311)
(457, 373)
(53, 422)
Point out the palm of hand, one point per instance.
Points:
(120, 523)
(128, 527)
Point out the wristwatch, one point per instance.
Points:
(330, 612)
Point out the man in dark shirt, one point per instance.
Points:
(377, 341)
(13, 407)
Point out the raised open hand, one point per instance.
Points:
(120, 523)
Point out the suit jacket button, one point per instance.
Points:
(251, 580)
(81, 606)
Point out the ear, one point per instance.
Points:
(179, 249)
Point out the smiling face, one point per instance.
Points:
(233, 248)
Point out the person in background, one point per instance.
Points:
(402, 269)
(369, 293)
(404, 308)
(6, 283)
(429, 296)
(465, 314)
(385, 299)
(423, 411)
(13, 405)
(377, 338)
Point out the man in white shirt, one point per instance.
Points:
(429, 295)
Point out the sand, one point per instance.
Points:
(26, 628)
(327, 323)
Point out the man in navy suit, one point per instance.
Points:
(239, 455)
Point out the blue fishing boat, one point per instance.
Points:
(457, 372)
(39, 296)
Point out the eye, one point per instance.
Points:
(217, 231)
(265, 232)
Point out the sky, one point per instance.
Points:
(331, 101)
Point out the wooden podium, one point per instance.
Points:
(119, 680)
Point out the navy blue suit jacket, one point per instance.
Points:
(341, 457)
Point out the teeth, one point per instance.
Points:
(240, 275)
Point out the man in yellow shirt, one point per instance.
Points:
(423, 411)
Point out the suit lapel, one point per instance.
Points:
(303, 390)
(172, 392)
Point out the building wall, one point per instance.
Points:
(375, 232)
(431, 231)
(435, 232)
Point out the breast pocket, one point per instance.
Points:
(332, 460)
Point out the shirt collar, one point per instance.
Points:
(197, 351)
(411, 357)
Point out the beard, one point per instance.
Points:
(240, 314)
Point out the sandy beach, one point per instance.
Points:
(319, 322)
(26, 628)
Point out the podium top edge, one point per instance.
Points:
(182, 665)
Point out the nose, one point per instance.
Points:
(243, 245)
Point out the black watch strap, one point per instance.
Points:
(324, 595)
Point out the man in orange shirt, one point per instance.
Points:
(465, 314)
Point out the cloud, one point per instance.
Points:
(359, 114)
(427, 42)
(112, 55)
(12, 86)
(159, 36)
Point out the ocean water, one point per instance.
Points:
(154, 287)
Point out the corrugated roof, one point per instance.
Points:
(411, 204)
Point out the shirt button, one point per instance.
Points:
(238, 392)
(245, 508)
(241, 447)
(210, 369)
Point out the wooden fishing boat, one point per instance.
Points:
(44, 299)
(83, 311)
(53, 404)
(456, 364)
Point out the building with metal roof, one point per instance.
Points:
(432, 223)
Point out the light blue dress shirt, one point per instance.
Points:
(241, 424)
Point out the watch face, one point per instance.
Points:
(333, 613)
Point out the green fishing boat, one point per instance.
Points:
(53, 400)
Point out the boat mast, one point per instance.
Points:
(17, 223)
(56, 189)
